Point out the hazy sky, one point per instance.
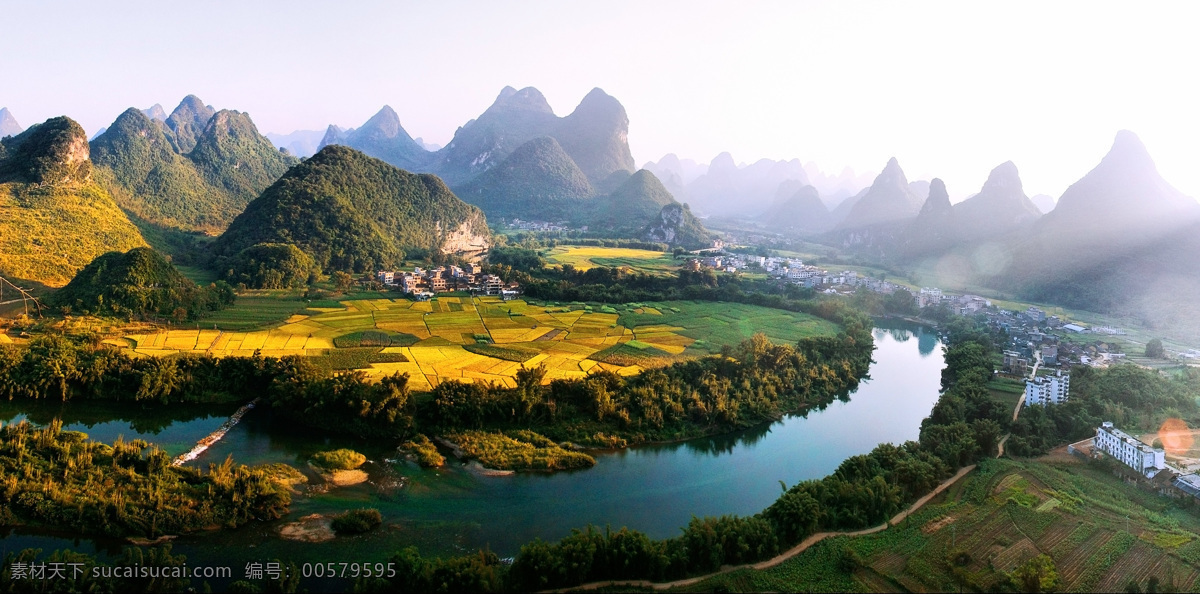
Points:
(951, 89)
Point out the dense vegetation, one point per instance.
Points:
(424, 452)
(61, 479)
(631, 206)
(140, 283)
(538, 181)
(1128, 395)
(340, 459)
(197, 170)
(198, 182)
(351, 212)
(518, 450)
(53, 218)
(270, 266)
(357, 521)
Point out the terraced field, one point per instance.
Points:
(486, 339)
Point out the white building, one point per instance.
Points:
(1147, 461)
(928, 296)
(1047, 389)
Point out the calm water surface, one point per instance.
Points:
(655, 489)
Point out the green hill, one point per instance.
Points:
(677, 226)
(632, 205)
(54, 218)
(538, 181)
(353, 212)
(139, 283)
(230, 163)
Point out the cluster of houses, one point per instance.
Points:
(1035, 334)
(1147, 461)
(540, 225)
(422, 284)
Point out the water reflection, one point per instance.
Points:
(655, 489)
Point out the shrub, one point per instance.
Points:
(357, 521)
(342, 459)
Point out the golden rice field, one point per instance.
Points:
(569, 340)
(586, 257)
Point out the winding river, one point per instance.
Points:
(654, 489)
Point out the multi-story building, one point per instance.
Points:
(386, 277)
(1147, 461)
(928, 296)
(1047, 389)
(1014, 363)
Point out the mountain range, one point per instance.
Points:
(195, 170)
(594, 136)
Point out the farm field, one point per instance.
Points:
(484, 338)
(1101, 533)
(585, 257)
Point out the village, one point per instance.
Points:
(423, 284)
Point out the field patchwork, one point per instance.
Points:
(483, 338)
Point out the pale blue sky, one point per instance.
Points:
(951, 89)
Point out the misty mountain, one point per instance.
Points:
(594, 135)
(728, 189)
(1123, 195)
(1120, 240)
(835, 189)
(429, 146)
(300, 143)
(920, 189)
(1044, 202)
(889, 199)
(8, 124)
(802, 211)
(156, 112)
(384, 138)
(999, 208)
(935, 229)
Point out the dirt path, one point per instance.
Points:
(788, 554)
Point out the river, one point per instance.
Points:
(654, 489)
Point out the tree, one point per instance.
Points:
(1035, 575)
(343, 281)
(1154, 349)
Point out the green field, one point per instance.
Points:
(585, 257)
(1101, 533)
(256, 310)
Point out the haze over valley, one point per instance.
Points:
(822, 296)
